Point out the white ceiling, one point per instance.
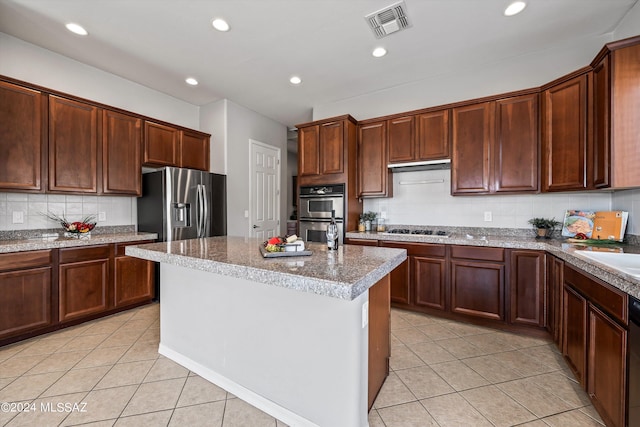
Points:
(158, 43)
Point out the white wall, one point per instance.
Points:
(236, 125)
(33, 64)
(432, 204)
(213, 120)
(629, 200)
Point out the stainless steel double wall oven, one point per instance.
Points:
(314, 211)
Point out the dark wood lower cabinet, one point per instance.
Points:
(428, 275)
(607, 367)
(41, 291)
(133, 281)
(84, 282)
(555, 267)
(527, 287)
(26, 287)
(477, 289)
(574, 332)
(595, 342)
(379, 336)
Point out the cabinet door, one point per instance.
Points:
(400, 283)
(555, 280)
(527, 287)
(379, 337)
(21, 138)
(574, 332)
(133, 281)
(564, 138)
(472, 135)
(331, 148)
(601, 124)
(161, 145)
(26, 301)
(83, 288)
(607, 367)
(401, 140)
(432, 139)
(428, 276)
(373, 174)
(477, 289)
(73, 146)
(121, 160)
(195, 151)
(309, 151)
(515, 146)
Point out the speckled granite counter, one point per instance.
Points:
(344, 274)
(564, 250)
(39, 243)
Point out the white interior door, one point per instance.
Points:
(265, 190)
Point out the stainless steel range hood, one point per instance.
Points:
(426, 165)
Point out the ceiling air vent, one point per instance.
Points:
(388, 20)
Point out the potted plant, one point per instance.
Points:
(368, 218)
(544, 227)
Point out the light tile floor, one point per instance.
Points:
(443, 374)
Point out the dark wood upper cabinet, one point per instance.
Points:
(616, 77)
(432, 138)
(472, 132)
(401, 139)
(332, 148)
(22, 140)
(194, 149)
(515, 145)
(309, 151)
(374, 177)
(121, 147)
(601, 124)
(327, 152)
(564, 135)
(161, 145)
(73, 146)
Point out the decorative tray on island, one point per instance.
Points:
(266, 254)
(281, 247)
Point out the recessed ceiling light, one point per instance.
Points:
(379, 52)
(77, 29)
(295, 80)
(515, 8)
(191, 81)
(220, 24)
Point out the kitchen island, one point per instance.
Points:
(302, 338)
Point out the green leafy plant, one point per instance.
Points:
(369, 216)
(545, 223)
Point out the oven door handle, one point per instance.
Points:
(308, 219)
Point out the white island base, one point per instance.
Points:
(298, 356)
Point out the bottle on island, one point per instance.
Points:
(332, 233)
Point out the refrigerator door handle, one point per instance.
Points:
(205, 215)
(198, 209)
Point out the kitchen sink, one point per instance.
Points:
(626, 263)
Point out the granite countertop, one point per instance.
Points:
(344, 274)
(558, 247)
(40, 243)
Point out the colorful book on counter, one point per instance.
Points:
(576, 221)
(610, 225)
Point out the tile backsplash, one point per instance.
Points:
(423, 198)
(117, 210)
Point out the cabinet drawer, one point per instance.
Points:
(87, 253)
(20, 260)
(120, 247)
(613, 301)
(478, 253)
(417, 249)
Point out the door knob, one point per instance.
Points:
(255, 226)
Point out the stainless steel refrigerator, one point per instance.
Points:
(180, 204)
